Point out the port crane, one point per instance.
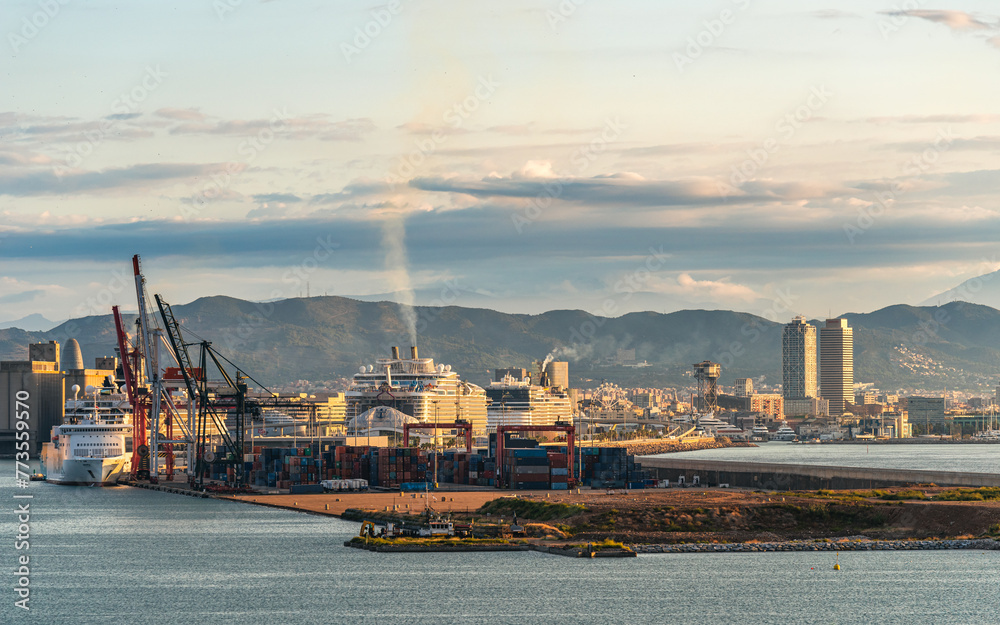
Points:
(197, 386)
(138, 396)
(149, 391)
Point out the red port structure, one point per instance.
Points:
(456, 425)
(558, 427)
(131, 368)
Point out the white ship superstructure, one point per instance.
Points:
(518, 402)
(90, 447)
(784, 433)
(419, 388)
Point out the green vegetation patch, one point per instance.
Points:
(969, 494)
(534, 510)
(861, 495)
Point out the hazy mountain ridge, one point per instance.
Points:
(324, 338)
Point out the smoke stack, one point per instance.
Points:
(413, 352)
(395, 352)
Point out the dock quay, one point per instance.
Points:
(850, 545)
(777, 476)
(570, 551)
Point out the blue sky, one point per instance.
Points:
(774, 157)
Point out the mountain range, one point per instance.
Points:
(34, 322)
(954, 346)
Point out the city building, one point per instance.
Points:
(798, 359)
(743, 387)
(773, 405)
(836, 364)
(32, 387)
(769, 405)
(925, 412)
(867, 397)
(806, 407)
(557, 372)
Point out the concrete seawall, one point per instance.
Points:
(775, 476)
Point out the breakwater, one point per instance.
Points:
(776, 476)
(648, 448)
(852, 545)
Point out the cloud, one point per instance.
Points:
(714, 289)
(987, 143)
(49, 183)
(302, 127)
(955, 20)
(286, 198)
(421, 128)
(123, 116)
(622, 189)
(356, 188)
(827, 14)
(191, 114)
(23, 296)
(16, 156)
(973, 118)
(514, 129)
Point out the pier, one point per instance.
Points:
(777, 476)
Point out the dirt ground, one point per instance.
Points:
(676, 515)
(334, 504)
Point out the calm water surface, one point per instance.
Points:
(977, 458)
(122, 555)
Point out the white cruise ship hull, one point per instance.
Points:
(89, 472)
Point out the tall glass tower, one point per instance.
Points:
(836, 364)
(798, 359)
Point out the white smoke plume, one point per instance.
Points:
(397, 265)
(571, 352)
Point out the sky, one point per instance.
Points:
(773, 157)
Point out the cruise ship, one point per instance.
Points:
(90, 447)
(417, 387)
(519, 402)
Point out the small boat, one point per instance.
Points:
(37, 477)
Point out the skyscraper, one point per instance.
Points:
(798, 359)
(836, 364)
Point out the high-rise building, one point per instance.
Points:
(743, 387)
(798, 359)
(836, 364)
(558, 373)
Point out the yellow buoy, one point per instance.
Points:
(836, 567)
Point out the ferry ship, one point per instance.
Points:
(417, 387)
(90, 447)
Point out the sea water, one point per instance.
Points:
(126, 555)
(970, 457)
